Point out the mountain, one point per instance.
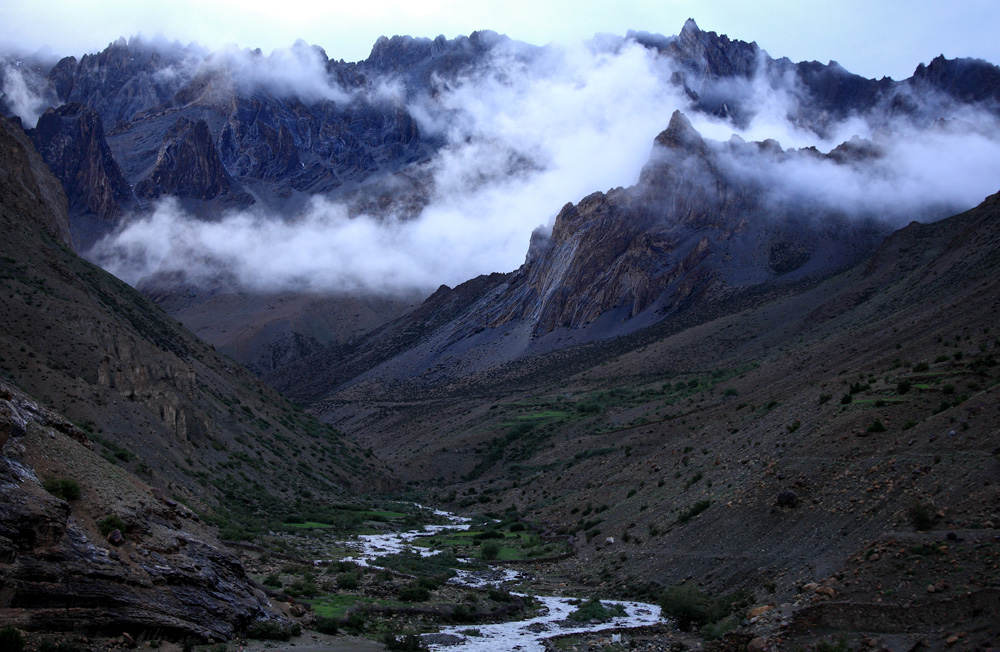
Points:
(709, 378)
(236, 129)
(102, 388)
(805, 444)
(692, 236)
(697, 384)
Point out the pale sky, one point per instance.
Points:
(868, 37)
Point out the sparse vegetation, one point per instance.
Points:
(65, 488)
(692, 511)
(691, 608)
(111, 522)
(269, 630)
(922, 515)
(11, 639)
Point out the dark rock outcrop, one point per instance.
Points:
(690, 223)
(188, 166)
(71, 141)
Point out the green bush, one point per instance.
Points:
(356, 622)
(490, 550)
(846, 399)
(65, 488)
(405, 642)
(691, 608)
(877, 426)
(269, 630)
(272, 581)
(414, 593)
(112, 522)
(829, 646)
(326, 625)
(304, 588)
(903, 386)
(11, 640)
(693, 511)
(347, 581)
(593, 609)
(922, 516)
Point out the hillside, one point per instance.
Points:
(167, 433)
(771, 447)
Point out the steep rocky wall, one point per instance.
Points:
(167, 577)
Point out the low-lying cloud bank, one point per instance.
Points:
(528, 134)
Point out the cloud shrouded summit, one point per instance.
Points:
(523, 131)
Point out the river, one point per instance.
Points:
(523, 635)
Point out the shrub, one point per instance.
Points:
(356, 621)
(414, 593)
(305, 588)
(11, 640)
(903, 386)
(112, 522)
(691, 608)
(846, 399)
(693, 511)
(922, 516)
(921, 366)
(594, 609)
(269, 630)
(499, 595)
(326, 625)
(347, 581)
(272, 581)
(829, 646)
(876, 426)
(490, 550)
(65, 488)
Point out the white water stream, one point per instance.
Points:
(522, 635)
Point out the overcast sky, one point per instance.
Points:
(871, 38)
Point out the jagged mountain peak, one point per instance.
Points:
(680, 134)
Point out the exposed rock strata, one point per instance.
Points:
(168, 576)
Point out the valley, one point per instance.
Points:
(252, 321)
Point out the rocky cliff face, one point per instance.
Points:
(184, 124)
(71, 140)
(188, 166)
(165, 573)
(689, 225)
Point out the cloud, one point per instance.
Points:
(25, 92)
(531, 131)
(298, 71)
(524, 138)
